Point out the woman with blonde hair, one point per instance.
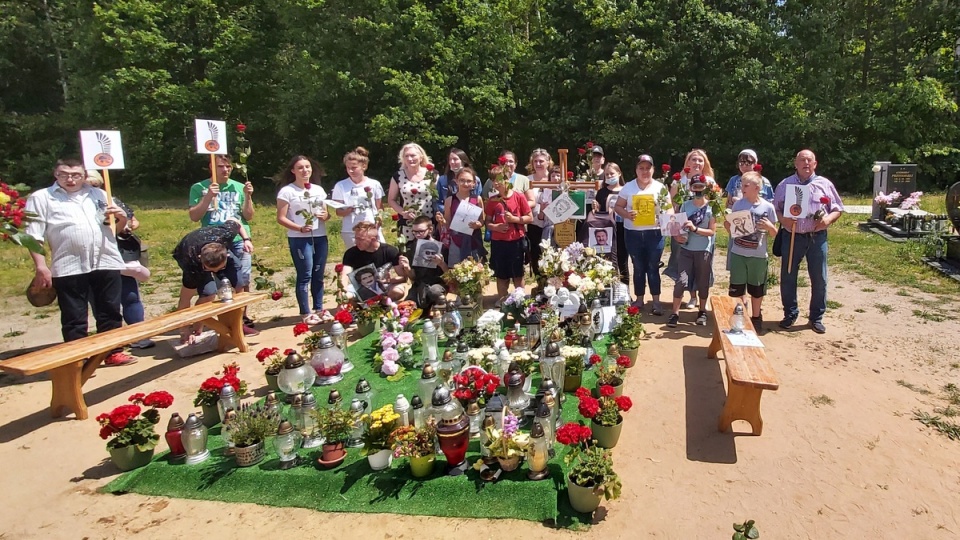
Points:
(361, 195)
(539, 168)
(696, 165)
(409, 193)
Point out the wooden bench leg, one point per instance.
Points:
(743, 403)
(229, 327)
(67, 392)
(715, 344)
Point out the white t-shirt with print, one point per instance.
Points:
(632, 188)
(302, 201)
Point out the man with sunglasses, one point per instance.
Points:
(72, 223)
(746, 162)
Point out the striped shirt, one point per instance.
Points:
(71, 227)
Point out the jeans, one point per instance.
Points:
(245, 269)
(309, 258)
(130, 302)
(100, 289)
(645, 249)
(813, 247)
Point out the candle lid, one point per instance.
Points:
(175, 423)
(293, 361)
(285, 427)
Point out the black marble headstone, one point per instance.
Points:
(902, 178)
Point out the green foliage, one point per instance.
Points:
(253, 424)
(745, 530)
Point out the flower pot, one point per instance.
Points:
(247, 456)
(631, 354)
(272, 381)
(211, 416)
(617, 390)
(606, 436)
(380, 460)
(128, 458)
(367, 328)
(332, 451)
(572, 382)
(583, 499)
(509, 464)
(421, 467)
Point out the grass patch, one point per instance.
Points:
(915, 388)
(902, 292)
(860, 310)
(950, 429)
(884, 308)
(868, 289)
(822, 399)
(929, 315)
(952, 394)
(13, 333)
(831, 304)
(949, 411)
(42, 316)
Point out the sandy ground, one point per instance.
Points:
(857, 467)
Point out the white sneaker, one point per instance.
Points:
(692, 304)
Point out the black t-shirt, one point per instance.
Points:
(385, 254)
(602, 195)
(187, 252)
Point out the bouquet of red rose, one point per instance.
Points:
(130, 425)
(604, 410)
(475, 384)
(593, 466)
(209, 392)
(13, 217)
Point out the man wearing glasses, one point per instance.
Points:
(745, 162)
(72, 222)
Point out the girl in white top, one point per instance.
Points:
(362, 197)
(539, 167)
(644, 242)
(302, 211)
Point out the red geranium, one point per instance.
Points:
(209, 392)
(606, 390)
(129, 427)
(623, 403)
(595, 359)
(136, 397)
(266, 352)
(160, 399)
(241, 127)
(344, 317)
(757, 167)
(582, 392)
(588, 407)
(572, 434)
(300, 328)
(633, 310)
(623, 361)
(288, 352)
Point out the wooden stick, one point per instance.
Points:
(793, 229)
(562, 152)
(106, 187)
(213, 178)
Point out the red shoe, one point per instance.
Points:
(247, 331)
(119, 359)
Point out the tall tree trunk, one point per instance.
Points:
(61, 72)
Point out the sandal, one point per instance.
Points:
(325, 316)
(311, 319)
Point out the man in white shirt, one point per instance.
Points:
(85, 262)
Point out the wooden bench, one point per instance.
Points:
(748, 371)
(71, 364)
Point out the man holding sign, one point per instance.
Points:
(809, 239)
(85, 261)
(214, 203)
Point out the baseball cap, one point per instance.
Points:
(644, 157)
(597, 149)
(698, 184)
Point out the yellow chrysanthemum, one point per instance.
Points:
(4, 198)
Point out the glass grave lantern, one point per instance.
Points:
(736, 320)
(272, 404)
(538, 454)
(460, 357)
(339, 336)
(545, 418)
(488, 422)
(554, 366)
(428, 378)
(333, 398)
(306, 422)
(533, 326)
(227, 429)
(418, 412)
(364, 393)
(428, 340)
(517, 399)
(286, 443)
(355, 440)
(228, 401)
(225, 291)
(173, 434)
(494, 408)
(295, 377)
(451, 323)
(401, 406)
(475, 416)
(194, 439)
(327, 362)
(453, 429)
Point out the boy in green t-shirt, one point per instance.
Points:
(214, 203)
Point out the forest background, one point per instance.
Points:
(855, 80)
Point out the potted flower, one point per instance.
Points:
(529, 364)
(249, 430)
(573, 366)
(604, 413)
(272, 362)
(131, 429)
(417, 444)
(376, 437)
(209, 392)
(611, 372)
(628, 331)
(367, 315)
(334, 425)
(468, 278)
(592, 474)
(508, 445)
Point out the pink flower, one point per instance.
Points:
(405, 338)
(390, 355)
(389, 368)
(388, 343)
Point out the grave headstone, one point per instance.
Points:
(893, 177)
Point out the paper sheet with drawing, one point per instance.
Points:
(466, 213)
(645, 205)
(741, 223)
(561, 209)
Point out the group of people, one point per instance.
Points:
(509, 210)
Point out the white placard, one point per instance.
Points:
(671, 224)
(796, 201)
(741, 223)
(561, 209)
(102, 149)
(466, 213)
(211, 136)
(743, 339)
(490, 316)
(333, 204)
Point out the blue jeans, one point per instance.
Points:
(245, 264)
(309, 258)
(813, 247)
(645, 249)
(130, 300)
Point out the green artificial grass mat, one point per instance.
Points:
(353, 486)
